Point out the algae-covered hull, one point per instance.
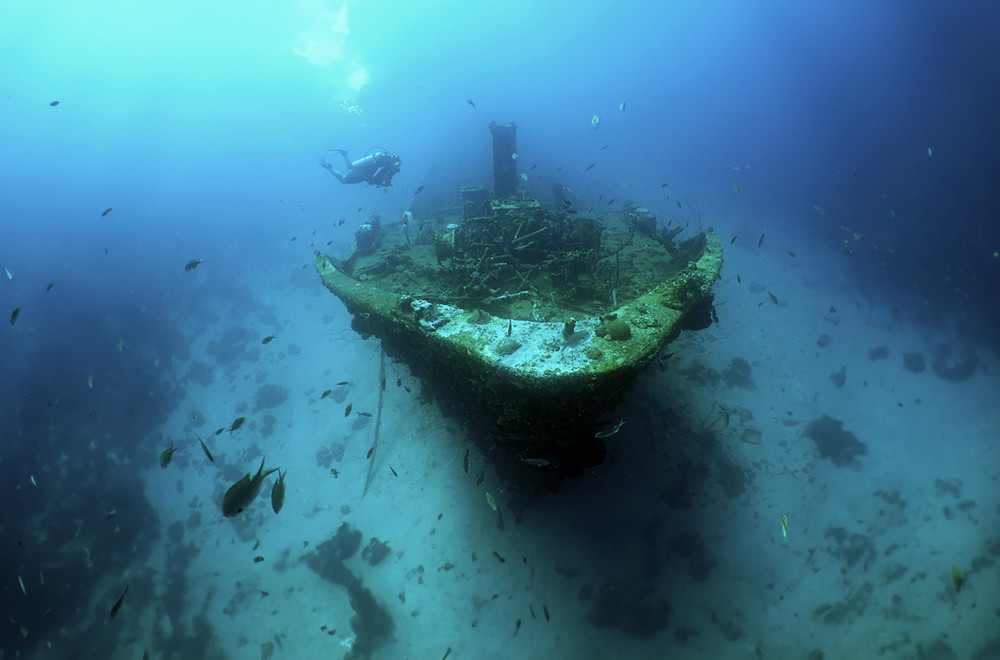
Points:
(534, 346)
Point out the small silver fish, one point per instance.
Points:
(205, 448)
(607, 433)
(118, 603)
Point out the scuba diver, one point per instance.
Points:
(377, 168)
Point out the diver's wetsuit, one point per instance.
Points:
(376, 169)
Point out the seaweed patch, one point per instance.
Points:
(835, 443)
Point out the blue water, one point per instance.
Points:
(864, 132)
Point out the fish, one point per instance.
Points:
(166, 455)
(446, 654)
(611, 201)
(499, 558)
(621, 106)
(119, 345)
(725, 415)
(237, 423)
(513, 156)
(268, 339)
(118, 603)
(326, 393)
(9, 276)
(470, 102)
(537, 462)
(930, 153)
(14, 315)
(773, 297)
(677, 203)
(347, 410)
(371, 451)
(664, 185)
(278, 492)
(242, 494)
(545, 610)
(833, 310)
(733, 240)
(956, 578)
(784, 525)
(465, 462)
(589, 167)
(491, 501)
(204, 448)
(106, 211)
(595, 121)
(739, 280)
(760, 240)
(49, 287)
(90, 381)
(54, 104)
(499, 519)
(191, 265)
(517, 626)
(790, 253)
(608, 432)
(566, 203)
(21, 582)
(258, 559)
(394, 473)
(481, 477)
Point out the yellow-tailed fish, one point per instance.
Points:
(241, 494)
(167, 454)
(784, 525)
(956, 578)
(278, 492)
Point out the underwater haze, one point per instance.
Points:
(162, 200)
